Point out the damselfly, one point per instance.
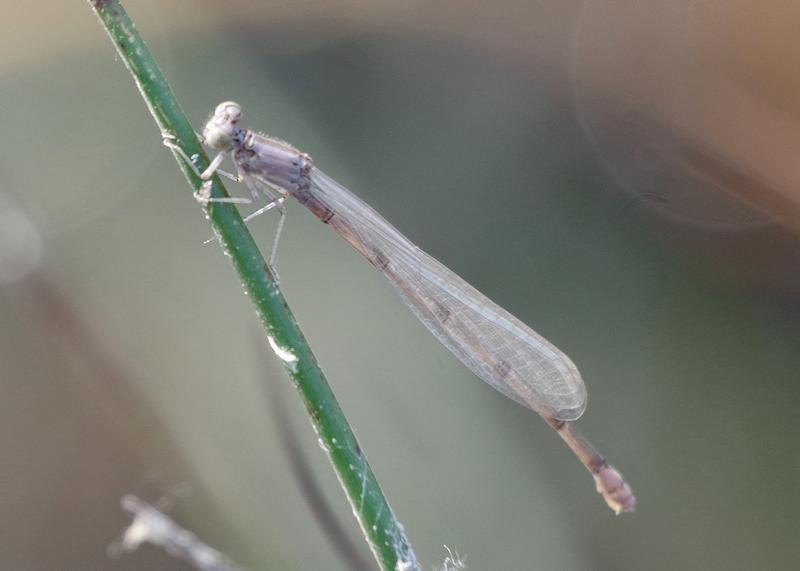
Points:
(495, 345)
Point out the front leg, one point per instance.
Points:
(203, 196)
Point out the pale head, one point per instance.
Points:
(221, 132)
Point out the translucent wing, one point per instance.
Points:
(494, 344)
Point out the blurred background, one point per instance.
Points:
(622, 176)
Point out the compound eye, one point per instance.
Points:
(229, 111)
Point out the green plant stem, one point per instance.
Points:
(384, 534)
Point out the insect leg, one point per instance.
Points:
(273, 254)
(204, 194)
(276, 200)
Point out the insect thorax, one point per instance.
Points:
(272, 159)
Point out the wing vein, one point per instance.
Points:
(499, 348)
